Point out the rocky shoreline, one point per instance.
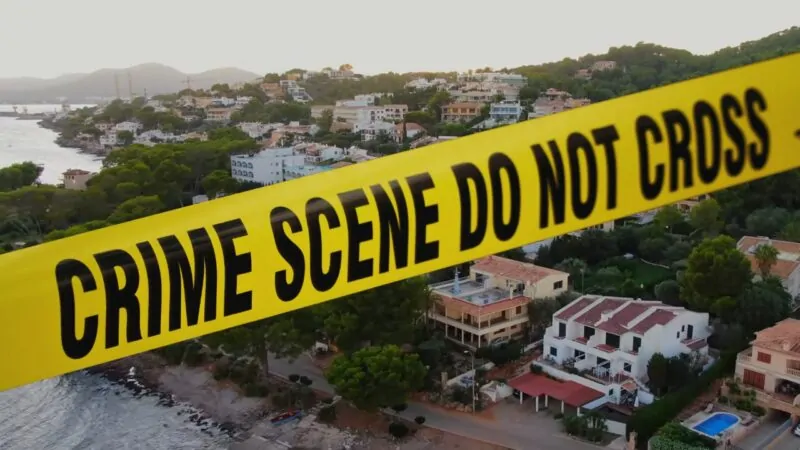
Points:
(73, 144)
(143, 376)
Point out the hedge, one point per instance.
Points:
(662, 443)
(648, 420)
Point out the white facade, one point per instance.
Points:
(506, 111)
(266, 167)
(130, 126)
(255, 129)
(394, 113)
(422, 83)
(242, 101)
(109, 139)
(612, 339)
(511, 79)
(370, 130)
(218, 114)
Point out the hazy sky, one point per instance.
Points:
(46, 38)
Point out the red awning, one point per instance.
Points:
(570, 392)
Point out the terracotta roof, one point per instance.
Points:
(508, 268)
(618, 323)
(575, 307)
(623, 311)
(784, 336)
(479, 310)
(592, 316)
(659, 317)
(569, 392)
(747, 242)
(781, 269)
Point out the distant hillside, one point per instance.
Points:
(154, 78)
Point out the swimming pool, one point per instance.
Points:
(716, 424)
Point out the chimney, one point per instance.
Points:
(605, 316)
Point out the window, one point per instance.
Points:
(612, 340)
(519, 309)
(626, 367)
(764, 357)
(579, 354)
(588, 332)
(553, 351)
(562, 330)
(558, 285)
(678, 335)
(637, 342)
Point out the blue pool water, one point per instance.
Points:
(716, 424)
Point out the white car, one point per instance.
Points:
(796, 431)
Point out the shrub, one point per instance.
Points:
(419, 420)
(536, 369)
(294, 378)
(723, 400)
(195, 355)
(327, 414)
(758, 410)
(398, 430)
(558, 416)
(305, 381)
(327, 401)
(400, 408)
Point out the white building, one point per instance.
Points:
(506, 111)
(394, 113)
(511, 79)
(422, 83)
(265, 167)
(109, 139)
(605, 343)
(219, 114)
(223, 101)
(130, 126)
(242, 101)
(255, 129)
(371, 130)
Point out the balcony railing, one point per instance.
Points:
(745, 356)
(793, 372)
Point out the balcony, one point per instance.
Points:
(484, 327)
(745, 356)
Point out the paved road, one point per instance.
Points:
(514, 426)
(765, 433)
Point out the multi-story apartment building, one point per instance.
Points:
(219, 114)
(490, 305)
(265, 167)
(605, 343)
(771, 366)
(506, 111)
(461, 112)
(787, 266)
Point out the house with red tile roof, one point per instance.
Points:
(787, 267)
(771, 366)
(490, 305)
(606, 342)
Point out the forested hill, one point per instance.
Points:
(639, 67)
(645, 66)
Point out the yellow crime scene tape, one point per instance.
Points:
(111, 293)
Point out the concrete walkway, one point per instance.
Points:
(514, 426)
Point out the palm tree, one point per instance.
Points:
(766, 257)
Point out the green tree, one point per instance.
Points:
(136, 208)
(762, 305)
(125, 137)
(766, 256)
(767, 221)
(669, 292)
(716, 269)
(219, 181)
(374, 377)
(706, 217)
(657, 369)
(398, 305)
(668, 217)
